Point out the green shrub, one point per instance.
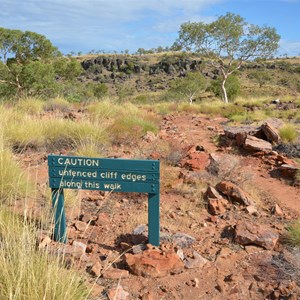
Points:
(189, 86)
(232, 86)
(95, 90)
(261, 77)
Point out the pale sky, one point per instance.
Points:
(83, 25)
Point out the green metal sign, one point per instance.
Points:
(116, 175)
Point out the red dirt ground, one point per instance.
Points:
(233, 271)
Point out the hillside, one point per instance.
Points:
(229, 186)
(153, 73)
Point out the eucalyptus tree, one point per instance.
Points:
(25, 62)
(227, 43)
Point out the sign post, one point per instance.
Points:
(116, 175)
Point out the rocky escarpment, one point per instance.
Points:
(121, 66)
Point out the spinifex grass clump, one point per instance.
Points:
(24, 132)
(32, 106)
(13, 181)
(66, 133)
(58, 103)
(29, 273)
(293, 234)
(125, 123)
(288, 133)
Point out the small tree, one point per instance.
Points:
(189, 86)
(261, 77)
(227, 43)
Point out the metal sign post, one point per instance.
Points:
(116, 175)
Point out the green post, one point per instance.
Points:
(60, 228)
(153, 219)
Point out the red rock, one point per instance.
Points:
(235, 193)
(270, 132)
(154, 263)
(103, 219)
(213, 219)
(196, 161)
(286, 161)
(149, 137)
(155, 155)
(117, 293)
(212, 193)
(197, 261)
(277, 210)
(113, 273)
(255, 144)
(96, 291)
(253, 234)
(80, 226)
(251, 210)
(216, 207)
(148, 296)
(97, 269)
(289, 171)
(240, 138)
(88, 218)
(232, 131)
(79, 247)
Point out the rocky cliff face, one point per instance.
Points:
(136, 65)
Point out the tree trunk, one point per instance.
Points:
(224, 92)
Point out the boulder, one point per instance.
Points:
(235, 193)
(212, 193)
(196, 159)
(270, 132)
(154, 263)
(255, 144)
(289, 171)
(216, 204)
(241, 131)
(254, 234)
(215, 207)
